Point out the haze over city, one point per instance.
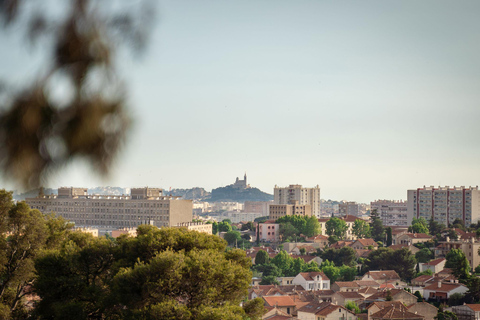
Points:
(366, 99)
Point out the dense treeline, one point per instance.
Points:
(162, 273)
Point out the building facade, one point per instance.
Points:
(348, 208)
(445, 204)
(392, 212)
(277, 211)
(304, 196)
(142, 206)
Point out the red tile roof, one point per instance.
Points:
(435, 262)
(385, 304)
(368, 242)
(395, 313)
(280, 301)
(444, 287)
(474, 307)
(350, 295)
(310, 276)
(423, 278)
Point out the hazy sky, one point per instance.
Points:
(365, 98)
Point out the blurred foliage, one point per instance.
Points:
(40, 132)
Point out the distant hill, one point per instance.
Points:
(112, 191)
(230, 193)
(190, 194)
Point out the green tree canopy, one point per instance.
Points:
(170, 272)
(261, 257)
(419, 226)
(361, 229)
(457, 260)
(402, 261)
(424, 255)
(232, 236)
(336, 227)
(376, 227)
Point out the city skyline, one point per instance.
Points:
(365, 99)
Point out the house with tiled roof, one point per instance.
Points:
(376, 306)
(324, 311)
(341, 243)
(312, 281)
(341, 298)
(441, 291)
(283, 303)
(359, 253)
(264, 290)
(422, 281)
(397, 295)
(367, 283)
(429, 311)
(364, 244)
(382, 276)
(345, 286)
(394, 313)
(367, 291)
(467, 311)
(320, 239)
(413, 238)
(435, 265)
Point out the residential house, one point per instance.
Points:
(368, 283)
(345, 286)
(324, 311)
(364, 244)
(397, 295)
(423, 280)
(467, 311)
(382, 276)
(441, 291)
(435, 266)
(312, 281)
(342, 297)
(283, 281)
(425, 309)
(394, 313)
(376, 306)
(282, 303)
(320, 239)
(272, 313)
(413, 238)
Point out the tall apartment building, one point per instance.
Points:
(304, 196)
(142, 206)
(348, 208)
(277, 211)
(445, 204)
(392, 212)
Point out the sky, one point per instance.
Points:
(366, 99)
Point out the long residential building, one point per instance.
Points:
(445, 204)
(142, 206)
(392, 212)
(303, 196)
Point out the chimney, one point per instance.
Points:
(439, 284)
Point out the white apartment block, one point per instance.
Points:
(445, 204)
(392, 212)
(142, 206)
(303, 196)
